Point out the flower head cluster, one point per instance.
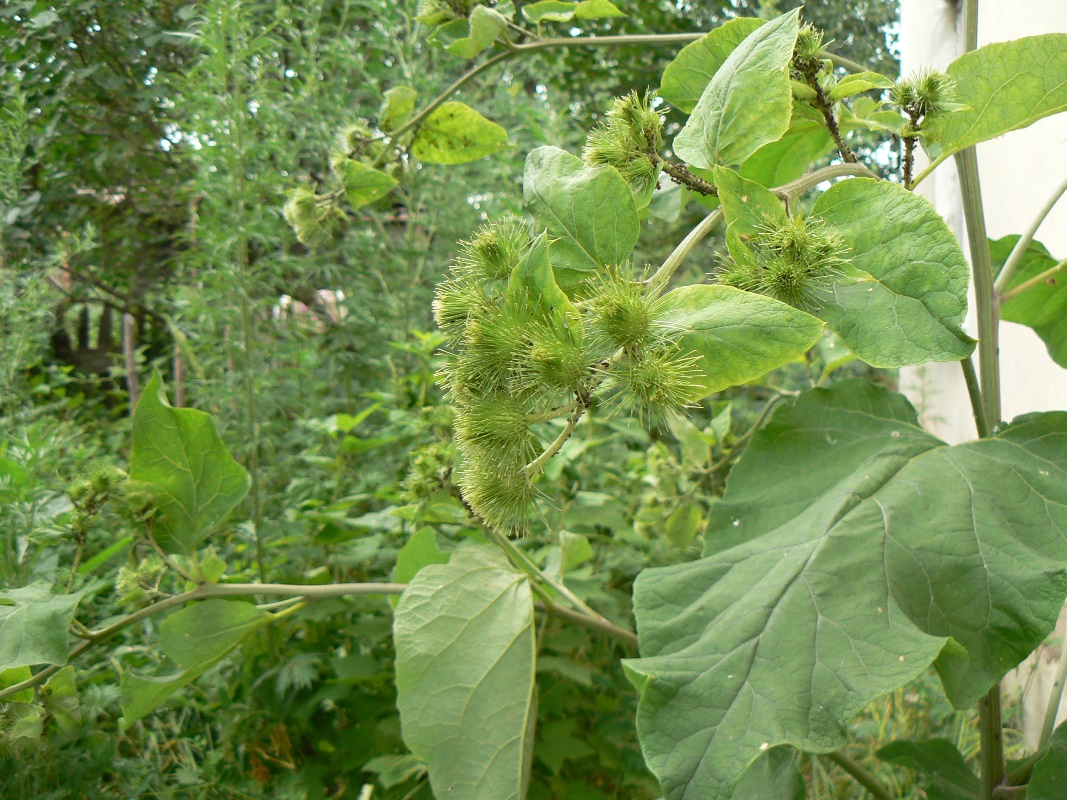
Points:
(793, 260)
(315, 220)
(510, 358)
(629, 139)
(517, 362)
(925, 95)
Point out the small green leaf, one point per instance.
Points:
(465, 653)
(575, 550)
(34, 624)
(204, 632)
(787, 159)
(683, 524)
(1049, 781)
(1042, 308)
(590, 209)
(195, 639)
(466, 38)
(859, 82)
(559, 11)
(457, 134)
(1005, 86)
(212, 567)
(10, 677)
(597, 9)
(906, 299)
(397, 108)
(746, 205)
(365, 184)
(419, 551)
(549, 11)
(739, 336)
(696, 444)
(748, 102)
(941, 764)
(534, 283)
(686, 78)
(178, 452)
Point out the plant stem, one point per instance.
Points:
(862, 776)
(806, 182)
(909, 160)
(1051, 712)
(982, 269)
(536, 465)
(991, 726)
(1037, 280)
(811, 75)
(974, 391)
(1016, 256)
(680, 173)
(659, 280)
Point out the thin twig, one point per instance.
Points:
(862, 776)
(981, 424)
(1053, 709)
(538, 463)
(1015, 258)
(1038, 280)
(658, 282)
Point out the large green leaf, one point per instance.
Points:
(1049, 781)
(788, 158)
(457, 134)
(907, 298)
(590, 209)
(178, 452)
(195, 639)
(739, 336)
(943, 767)
(34, 625)
(465, 652)
(748, 102)
(686, 78)
(1005, 86)
(850, 552)
(1044, 307)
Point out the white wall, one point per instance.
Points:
(1018, 173)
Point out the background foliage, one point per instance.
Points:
(146, 151)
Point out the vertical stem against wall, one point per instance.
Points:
(991, 726)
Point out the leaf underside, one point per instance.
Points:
(850, 552)
(465, 653)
